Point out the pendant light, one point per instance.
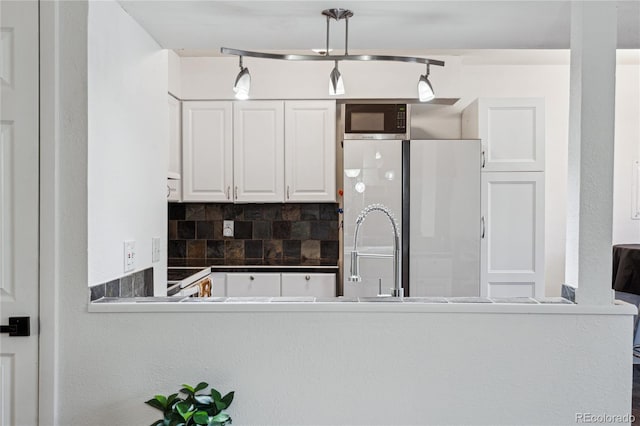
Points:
(243, 83)
(336, 85)
(425, 90)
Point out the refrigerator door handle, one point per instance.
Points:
(483, 227)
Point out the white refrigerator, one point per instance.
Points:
(433, 189)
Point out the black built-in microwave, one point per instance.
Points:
(376, 121)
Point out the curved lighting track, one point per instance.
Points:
(336, 82)
(289, 57)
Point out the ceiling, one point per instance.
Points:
(192, 27)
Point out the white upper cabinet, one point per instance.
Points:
(511, 130)
(512, 252)
(174, 184)
(258, 135)
(310, 151)
(207, 151)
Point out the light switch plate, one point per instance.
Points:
(155, 249)
(129, 255)
(227, 228)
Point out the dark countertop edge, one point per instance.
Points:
(285, 264)
(273, 268)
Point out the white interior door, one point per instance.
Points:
(19, 209)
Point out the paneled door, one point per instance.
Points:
(310, 150)
(258, 151)
(19, 209)
(512, 244)
(207, 151)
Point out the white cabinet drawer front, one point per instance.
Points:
(253, 285)
(218, 284)
(316, 285)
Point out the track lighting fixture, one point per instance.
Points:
(425, 90)
(243, 83)
(336, 84)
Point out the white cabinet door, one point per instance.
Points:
(207, 151)
(511, 130)
(316, 285)
(258, 151)
(253, 285)
(310, 150)
(512, 248)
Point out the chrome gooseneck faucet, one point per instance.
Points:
(397, 290)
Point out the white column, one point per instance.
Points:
(591, 137)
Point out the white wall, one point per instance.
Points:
(175, 83)
(335, 368)
(627, 150)
(290, 368)
(468, 76)
(128, 143)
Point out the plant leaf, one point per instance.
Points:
(185, 409)
(171, 398)
(158, 423)
(219, 418)
(228, 398)
(220, 405)
(156, 404)
(204, 399)
(216, 395)
(201, 418)
(200, 386)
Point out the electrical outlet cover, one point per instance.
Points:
(227, 228)
(129, 255)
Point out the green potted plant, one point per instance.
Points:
(187, 408)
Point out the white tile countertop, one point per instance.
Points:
(549, 305)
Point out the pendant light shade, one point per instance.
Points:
(243, 83)
(425, 90)
(336, 85)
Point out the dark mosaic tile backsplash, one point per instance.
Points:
(138, 284)
(261, 231)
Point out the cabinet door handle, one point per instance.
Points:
(307, 277)
(236, 192)
(251, 277)
(484, 159)
(288, 192)
(168, 191)
(228, 192)
(483, 227)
